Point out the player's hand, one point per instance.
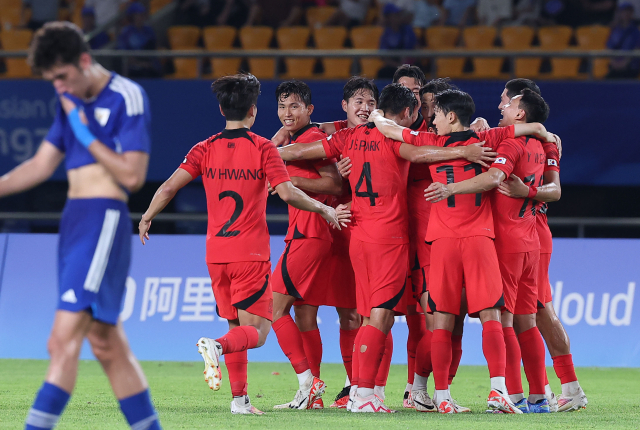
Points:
(479, 124)
(344, 214)
(344, 166)
(476, 153)
(513, 187)
(143, 229)
(554, 138)
(272, 190)
(436, 192)
(331, 216)
(68, 105)
(281, 137)
(376, 115)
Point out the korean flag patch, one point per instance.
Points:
(552, 162)
(500, 160)
(415, 133)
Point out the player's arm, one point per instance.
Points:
(306, 151)
(161, 198)
(386, 126)
(475, 153)
(129, 168)
(536, 129)
(33, 171)
(549, 192)
(329, 183)
(484, 182)
(299, 200)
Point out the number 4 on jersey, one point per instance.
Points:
(366, 176)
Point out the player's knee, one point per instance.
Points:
(349, 319)
(103, 347)
(61, 347)
(263, 331)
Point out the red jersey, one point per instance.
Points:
(235, 166)
(304, 223)
(339, 125)
(378, 183)
(515, 219)
(463, 215)
(552, 164)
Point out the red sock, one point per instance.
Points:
(532, 348)
(313, 350)
(355, 365)
(546, 378)
(290, 342)
(385, 364)
(423, 355)
(417, 328)
(441, 357)
(494, 348)
(512, 370)
(239, 339)
(236, 363)
(370, 351)
(563, 365)
(456, 355)
(347, 339)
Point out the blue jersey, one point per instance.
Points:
(119, 117)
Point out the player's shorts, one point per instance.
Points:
(381, 276)
(339, 289)
(243, 285)
(520, 278)
(469, 262)
(544, 286)
(300, 270)
(420, 281)
(94, 252)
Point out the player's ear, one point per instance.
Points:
(407, 112)
(310, 109)
(85, 61)
(521, 114)
(452, 117)
(344, 105)
(253, 111)
(221, 113)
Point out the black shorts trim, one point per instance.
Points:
(253, 298)
(288, 283)
(393, 302)
(432, 304)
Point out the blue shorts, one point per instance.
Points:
(94, 252)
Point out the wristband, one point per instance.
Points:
(533, 191)
(81, 131)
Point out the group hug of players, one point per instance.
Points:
(404, 210)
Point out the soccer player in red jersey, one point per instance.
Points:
(379, 243)
(550, 326)
(235, 166)
(296, 278)
(461, 230)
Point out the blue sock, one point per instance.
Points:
(49, 404)
(139, 412)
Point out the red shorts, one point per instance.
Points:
(381, 276)
(544, 286)
(298, 273)
(340, 291)
(469, 262)
(420, 281)
(244, 285)
(520, 281)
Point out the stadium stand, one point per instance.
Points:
(594, 37)
(367, 37)
(16, 40)
(317, 16)
(557, 38)
(333, 38)
(221, 38)
(296, 38)
(184, 38)
(521, 38)
(483, 38)
(445, 38)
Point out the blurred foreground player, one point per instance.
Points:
(102, 127)
(235, 166)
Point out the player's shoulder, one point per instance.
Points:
(461, 138)
(308, 134)
(128, 94)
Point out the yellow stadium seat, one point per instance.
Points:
(258, 38)
(557, 38)
(333, 38)
(372, 15)
(368, 37)
(481, 38)
(296, 38)
(185, 68)
(520, 38)
(156, 5)
(10, 17)
(419, 35)
(221, 38)
(183, 37)
(594, 37)
(317, 16)
(16, 40)
(445, 38)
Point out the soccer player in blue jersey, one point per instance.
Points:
(102, 128)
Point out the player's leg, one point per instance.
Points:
(307, 322)
(110, 346)
(441, 360)
(423, 366)
(350, 322)
(456, 339)
(385, 366)
(64, 345)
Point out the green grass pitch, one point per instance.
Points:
(184, 401)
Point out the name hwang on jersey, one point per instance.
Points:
(235, 174)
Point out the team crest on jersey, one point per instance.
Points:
(552, 162)
(102, 115)
(414, 132)
(501, 160)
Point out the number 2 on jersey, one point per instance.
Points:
(224, 231)
(366, 176)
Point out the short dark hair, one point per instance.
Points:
(411, 72)
(515, 86)
(356, 84)
(294, 87)
(236, 94)
(458, 102)
(56, 43)
(534, 106)
(435, 86)
(395, 98)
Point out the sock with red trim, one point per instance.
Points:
(456, 355)
(423, 355)
(417, 326)
(312, 344)
(532, 347)
(370, 352)
(385, 363)
(239, 339)
(494, 348)
(355, 364)
(236, 363)
(290, 341)
(347, 340)
(512, 369)
(441, 358)
(563, 365)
